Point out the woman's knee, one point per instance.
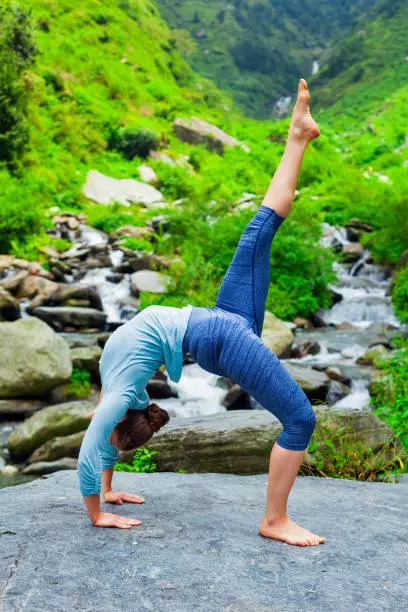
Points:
(299, 428)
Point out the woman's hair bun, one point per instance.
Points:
(156, 417)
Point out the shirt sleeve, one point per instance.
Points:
(96, 453)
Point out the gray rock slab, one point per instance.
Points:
(198, 547)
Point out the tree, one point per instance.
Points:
(17, 52)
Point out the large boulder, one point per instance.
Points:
(352, 251)
(314, 383)
(65, 295)
(33, 359)
(107, 190)
(240, 442)
(197, 131)
(86, 358)
(148, 175)
(56, 448)
(49, 423)
(277, 335)
(198, 547)
(19, 407)
(148, 280)
(60, 317)
(49, 467)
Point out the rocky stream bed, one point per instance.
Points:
(61, 317)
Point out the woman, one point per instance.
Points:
(223, 340)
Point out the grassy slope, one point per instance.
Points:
(368, 66)
(258, 50)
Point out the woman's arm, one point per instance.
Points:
(95, 448)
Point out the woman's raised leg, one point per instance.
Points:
(244, 288)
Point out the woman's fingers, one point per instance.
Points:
(132, 499)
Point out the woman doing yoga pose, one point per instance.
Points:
(224, 340)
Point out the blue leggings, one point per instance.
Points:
(225, 340)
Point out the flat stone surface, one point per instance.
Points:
(198, 548)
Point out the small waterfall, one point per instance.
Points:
(198, 393)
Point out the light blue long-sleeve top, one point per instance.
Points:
(133, 353)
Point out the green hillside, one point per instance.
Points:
(105, 67)
(259, 49)
(368, 65)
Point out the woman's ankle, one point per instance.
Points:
(272, 518)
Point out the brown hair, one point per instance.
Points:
(139, 426)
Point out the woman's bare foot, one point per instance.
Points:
(285, 530)
(303, 127)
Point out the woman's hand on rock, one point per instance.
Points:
(113, 497)
(106, 519)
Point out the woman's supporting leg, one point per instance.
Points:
(285, 463)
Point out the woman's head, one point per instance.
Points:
(138, 426)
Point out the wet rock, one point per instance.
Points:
(302, 323)
(49, 467)
(336, 374)
(148, 175)
(315, 384)
(32, 286)
(159, 388)
(131, 231)
(115, 277)
(60, 317)
(150, 281)
(337, 390)
(160, 224)
(58, 447)
(370, 357)
(352, 252)
(304, 347)
(106, 190)
(12, 283)
(276, 335)
(135, 262)
(346, 325)
(9, 306)
(18, 408)
(237, 399)
(33, 359)
(197, 131)
(48, 423)
(86, 358)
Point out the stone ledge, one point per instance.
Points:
(198, 548)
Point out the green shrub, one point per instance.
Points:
(133, 142)
(341, 456)
(79, 384)
(142, 462)
(136, 245)
(18, 221)
(17, 51)
(400, 295)
(390, 392)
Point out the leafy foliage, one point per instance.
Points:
(132, 143)
(342, 456)
(142, 462)
(79, 384)
(400, 295)
(390, 391)
(17, 51)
